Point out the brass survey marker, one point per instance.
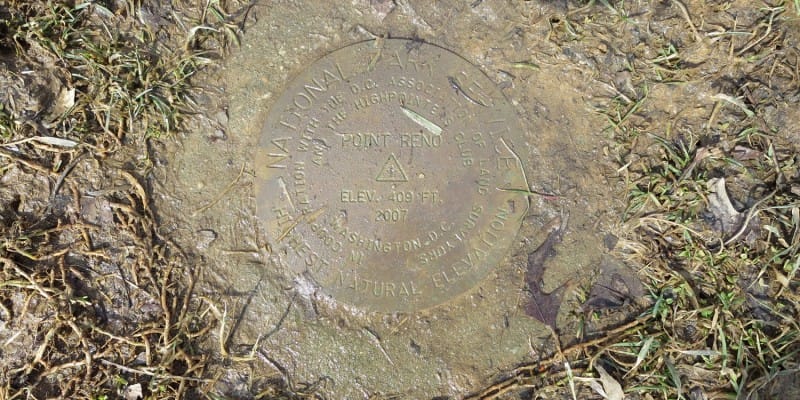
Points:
(386, 175)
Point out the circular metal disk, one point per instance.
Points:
(386, 175)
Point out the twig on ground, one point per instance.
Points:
(153, 374)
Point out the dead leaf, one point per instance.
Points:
(616, 286)
(133, 392)
(50, 140)
(598, 388)
(55, 141)
(65, 101)
(741, 153)
(611, 389)
(726, 218)
(544, 306)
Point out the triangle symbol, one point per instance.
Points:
(391, 171)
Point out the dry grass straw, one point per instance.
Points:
(92, 298)
(723, 321)
(93, 304)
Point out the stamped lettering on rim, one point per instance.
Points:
(386, 174)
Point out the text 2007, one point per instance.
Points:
(391, 215)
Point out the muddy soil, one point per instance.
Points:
(207, 190)
(574, 71)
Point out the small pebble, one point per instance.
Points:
(204, 238)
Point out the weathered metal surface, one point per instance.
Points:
(386, 175)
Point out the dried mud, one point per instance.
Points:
(446, 351)
(179, 213)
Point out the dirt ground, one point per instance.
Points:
(663, 134)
